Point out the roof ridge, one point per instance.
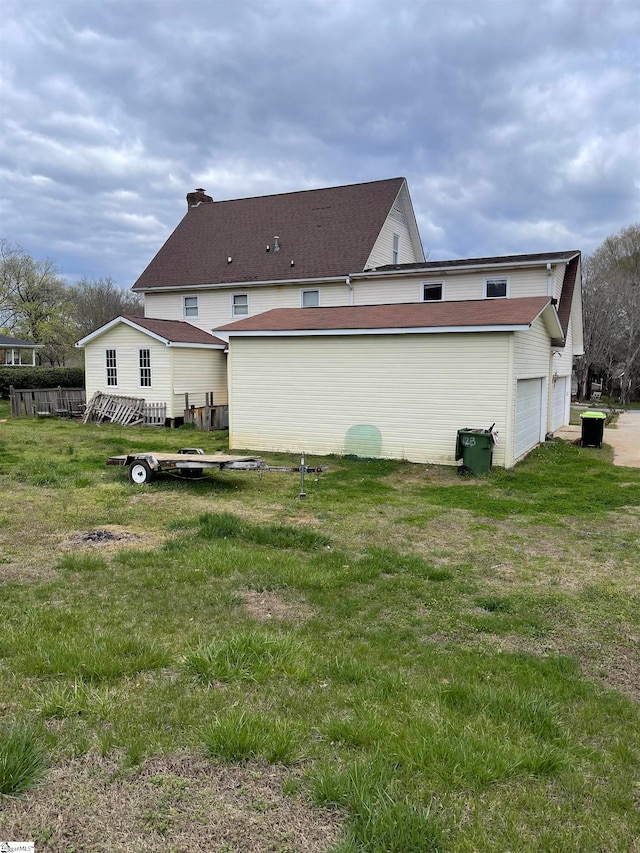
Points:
(311, 190)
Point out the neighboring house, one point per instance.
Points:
(17, 353)
(157, 360)
(346, 340)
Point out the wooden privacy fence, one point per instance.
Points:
(33, 402)
(207, 417)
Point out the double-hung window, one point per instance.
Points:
(239, 304)
(309, 298)
(111, 367)
(432, 291)
(496, 288)
(395, 253)
(145, 368)
(190, 306)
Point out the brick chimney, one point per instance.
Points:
(197, 198)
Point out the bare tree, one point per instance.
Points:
(96, 302)
(611, 296)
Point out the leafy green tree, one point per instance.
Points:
(37, 305)
(34, 302)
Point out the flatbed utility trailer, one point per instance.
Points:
(191, 461)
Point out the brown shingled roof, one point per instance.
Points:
(176, 331)
(325, 232)
(472, 313)
(507, 260)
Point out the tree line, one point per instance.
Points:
(611, 317)
(37, 305)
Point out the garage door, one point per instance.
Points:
(528, 415)
(558, 400)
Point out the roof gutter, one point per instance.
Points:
(461, 268)
(393, 330)
(241, 284)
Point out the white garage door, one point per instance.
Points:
(558, 401)
(528, 415)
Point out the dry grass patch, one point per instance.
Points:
(269, 606)
(174, 803)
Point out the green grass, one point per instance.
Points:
(22, 760)
(451, 663)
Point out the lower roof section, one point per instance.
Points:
(416, 317)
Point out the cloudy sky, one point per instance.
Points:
(516, 122)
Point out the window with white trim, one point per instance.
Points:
(309, 298)
(239, 304)
(395, 254)
(111, 367)
(496, 288)
(432, 291)
(145, 368)
(190, 306)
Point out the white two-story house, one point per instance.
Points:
(317, 318)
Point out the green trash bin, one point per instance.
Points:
(475, 448)
(592, 429)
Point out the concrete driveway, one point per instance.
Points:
(624, 439)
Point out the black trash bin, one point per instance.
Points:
(592, 429)
(475, 448)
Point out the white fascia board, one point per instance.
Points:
(243, 285)
(420, 330)
(463, 268)
(412, 223)
(551, 320)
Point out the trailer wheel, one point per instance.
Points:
(140, 472)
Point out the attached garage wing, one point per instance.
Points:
(528, 415)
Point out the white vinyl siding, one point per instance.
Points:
(337, 394)
(127, 343)
(468, 285)
(197, 372)
(214, 305)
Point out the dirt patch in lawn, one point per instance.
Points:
(182, 803)
(111, 537)
(269, 606)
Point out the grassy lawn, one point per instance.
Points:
(403, 662)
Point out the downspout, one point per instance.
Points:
(549, 281)
(347, 281)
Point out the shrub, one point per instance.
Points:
(40, 377)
